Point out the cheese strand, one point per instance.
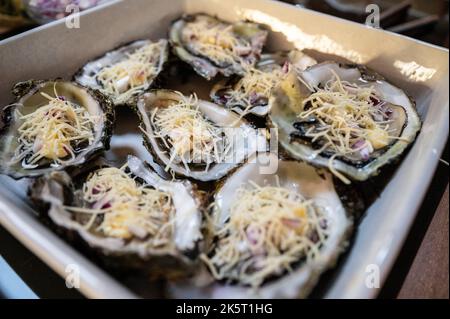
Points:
(269, 229)
(121, 208)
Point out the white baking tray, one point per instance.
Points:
(420, 69)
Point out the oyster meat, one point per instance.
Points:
(251, 92)
(212, 46)
(51, 126)
(274, 234)
(195, 138)
(346, 118)
(126, 212)
(127, 71)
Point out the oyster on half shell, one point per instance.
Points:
(127, 71)
(273, 234)
(195, 138)
(52, 125)
(346, 118)
(129, 214)
(212, 46)
(251, 93)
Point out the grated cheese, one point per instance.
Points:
(215, 40)
(269, 229)
(187, 134)
(53, 131)
(126, 78)
(126, 208)
(348, 121)
(253, 85)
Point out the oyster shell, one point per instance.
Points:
(376, 139)
(251, 93)
(212, 46)
(127, 71)
(195, 138)
(89, 203)
(290, 272)
(28, 144)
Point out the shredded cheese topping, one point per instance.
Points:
(253, 86)
(270, 228)
(53, 131)
(350, 121)
(128, 77)
(215, 40)
(190, 137)
(125, 208)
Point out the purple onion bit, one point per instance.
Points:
(362, 148)
(286, 67)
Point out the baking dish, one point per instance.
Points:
(54, 50)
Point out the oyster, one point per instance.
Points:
(194, 138)
(51, 126)
(212, 46)
(274, 234)
(251, 93)
(127, 71)
(126, 212)
(346, 118)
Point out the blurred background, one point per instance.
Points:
(425, 20)
(17, 16)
